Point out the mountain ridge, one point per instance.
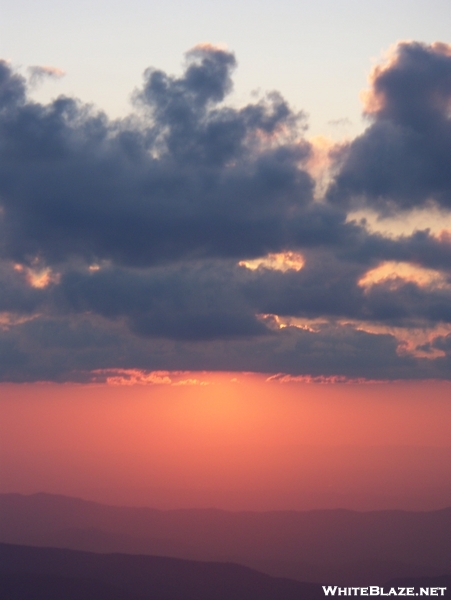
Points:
(349, 546)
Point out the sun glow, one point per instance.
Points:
(246, 442)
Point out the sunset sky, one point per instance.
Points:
(225, 252)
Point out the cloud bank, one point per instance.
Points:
(190, 235)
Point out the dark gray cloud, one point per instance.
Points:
(12, 88)
(121, 241)
(329, 350)
(72, 351)
(193, 302)
(403, 159)
(208, 300)
(187, 177)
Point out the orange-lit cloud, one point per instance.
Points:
(281, 261)
(282, 321)
(319, 379)
(9, 319)
(397, 273)
(39, 73)
(209, 47)
(373, 99)
(38, 277)
(130, 377)
(436, 221)
(320, 162)
(413, 341)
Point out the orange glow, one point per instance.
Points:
(409, 338)
(142, 377)
(8, 319)
(320, 161)
(282, 261)
(50, 71)
(373, 101)
(437, 221)
(397, 273)
(281, 321)
(38, 277)
(209, 47)
(243, 442)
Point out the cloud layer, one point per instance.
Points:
(165, 240)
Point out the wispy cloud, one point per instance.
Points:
(38, 74)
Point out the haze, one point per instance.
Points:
(230, 441)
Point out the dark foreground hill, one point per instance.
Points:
(28, 573)
(341, 546)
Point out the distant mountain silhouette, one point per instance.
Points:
(28, 573)
(329, 546)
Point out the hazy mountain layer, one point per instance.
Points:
(340, 546)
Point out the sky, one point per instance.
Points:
(237, 442)
(317, 55)
(227, 188)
